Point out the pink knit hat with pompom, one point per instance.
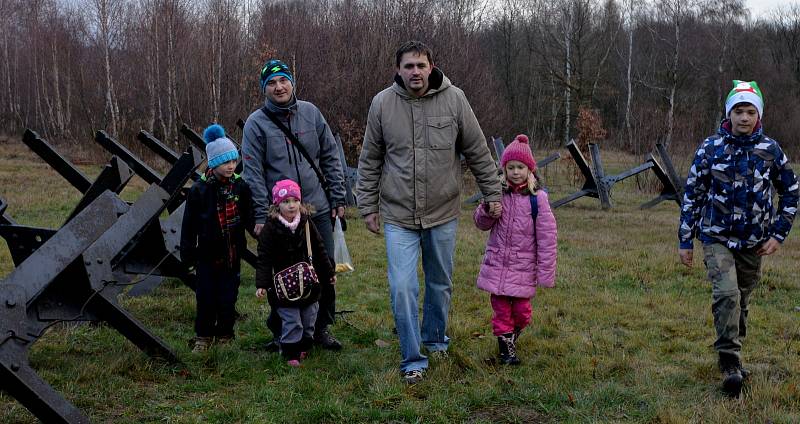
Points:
(519, 150)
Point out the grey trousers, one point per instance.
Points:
(297, 323)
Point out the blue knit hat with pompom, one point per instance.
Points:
(219, 149)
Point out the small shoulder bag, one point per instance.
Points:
(297, 281)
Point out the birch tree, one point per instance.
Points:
(107, 14)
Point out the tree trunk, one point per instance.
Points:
(568, 74)
(674, 84)
(553, 110)
(49, 119)
(7, 102)
(171, 100)
(59, 113)
(629, 84)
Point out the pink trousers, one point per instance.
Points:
(510, 313)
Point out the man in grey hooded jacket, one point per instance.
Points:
(269, 156)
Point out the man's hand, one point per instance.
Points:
(686, 256)
(257, 229)
(337, 212)
(260, 293)
(373, 222)
(768, 248)
(495, 209)
(333, 280)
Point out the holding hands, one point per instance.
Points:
(494, 209)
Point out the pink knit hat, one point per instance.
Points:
(284, 189)
(519, 150)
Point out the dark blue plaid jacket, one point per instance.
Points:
(728, 194)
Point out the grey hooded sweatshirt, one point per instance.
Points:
(269, 156)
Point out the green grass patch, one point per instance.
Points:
(625, 336)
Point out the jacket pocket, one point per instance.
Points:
(492, 256)
(441, 132)
(525, 261)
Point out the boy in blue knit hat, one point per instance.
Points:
(217, 212)
(728, 205)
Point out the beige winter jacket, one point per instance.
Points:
(409, 169)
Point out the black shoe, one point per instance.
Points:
(732, 382)
(745, 372)
(508, 349)
(272, 346)
(325, 339)
(732, 378)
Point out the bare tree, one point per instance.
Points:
(721, 28)
(631, 27)
(107, 15)
(675, 13)
(526, 65)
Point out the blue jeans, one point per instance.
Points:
(403, 251)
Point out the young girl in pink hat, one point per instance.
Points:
(521, 249)
(285, 241)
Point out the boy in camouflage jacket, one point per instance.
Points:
(728, 205)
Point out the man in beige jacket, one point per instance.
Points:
(410, 174)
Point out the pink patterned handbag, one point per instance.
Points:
(297, 281)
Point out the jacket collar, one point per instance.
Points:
(437, 82)
(291, 107)
(724, 131)
(209, 177)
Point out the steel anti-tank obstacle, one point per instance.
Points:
(76, 274)
(596, 183)
(672, 185)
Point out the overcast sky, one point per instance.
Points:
(759, 7)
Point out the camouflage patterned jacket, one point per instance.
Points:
(728, 194)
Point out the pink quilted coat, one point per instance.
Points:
(518, 258)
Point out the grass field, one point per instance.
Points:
(625, 336)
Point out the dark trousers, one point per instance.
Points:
(327, 300)
(216, 294)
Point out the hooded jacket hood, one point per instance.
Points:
(725, 132)
(437, 82)
(284, 110)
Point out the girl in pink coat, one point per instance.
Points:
(521, 249)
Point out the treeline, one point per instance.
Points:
(634, 72)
